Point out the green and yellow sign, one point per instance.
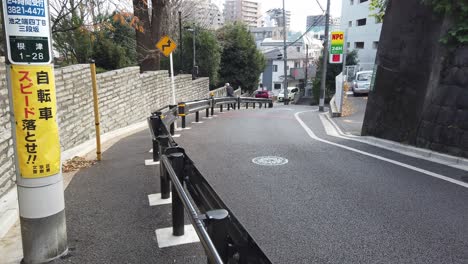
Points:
(337, 47)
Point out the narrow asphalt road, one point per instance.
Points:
(329, 204)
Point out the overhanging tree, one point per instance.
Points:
(241, 61)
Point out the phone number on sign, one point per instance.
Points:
(25, 11)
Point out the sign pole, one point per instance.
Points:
(172, 80)
(31, 88)
(325, 60)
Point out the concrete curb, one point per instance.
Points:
(441, 158)
(9, 202)
(333, 109)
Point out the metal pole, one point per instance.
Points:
(194, 49)
(181, 45)
(36, 149)
(177, 160)
(325, 59)
(164, 178)
(96, 111)
(285, 57)
(306, 68)
(343, 72)
(197, 117)
(172, 80)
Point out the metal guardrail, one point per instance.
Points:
(224, 239)
(186, 108)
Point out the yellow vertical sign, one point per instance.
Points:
(35, 109)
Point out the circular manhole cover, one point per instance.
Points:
(269, 161)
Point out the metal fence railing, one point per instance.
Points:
(223, 237)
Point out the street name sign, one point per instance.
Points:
(337, 47)
(27, 31)
(166, 45)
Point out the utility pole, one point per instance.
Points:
(33, 108)
(285, 57)
(306, 68)
(325, 59)
(181, 45)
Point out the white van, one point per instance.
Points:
(291, 93)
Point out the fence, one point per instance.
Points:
(224, 239)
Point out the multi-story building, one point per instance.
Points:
(363, 31)
(276, 15)
(203, 13)
(247, 11)
(316, 25)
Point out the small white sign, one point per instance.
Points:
(27, 30)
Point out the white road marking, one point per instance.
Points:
(166, 239)
(176, 135)
(150, 162)
(155, 199)
(151, 151)
(430, 173)
(199, 122)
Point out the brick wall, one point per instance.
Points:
(126, 97)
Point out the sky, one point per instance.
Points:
(300, 9)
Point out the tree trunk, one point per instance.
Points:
(147, 55)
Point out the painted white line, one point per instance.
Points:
(151, 151)
(176, 135)
(430, 173)
(200, 122)
(186, 128)
(166, 239)
(155, 199)
(150, 162)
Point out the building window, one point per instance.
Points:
(351, 2)
(298, 49)
(375, 45)
(348, 45)
(362, 1)
(361, 22)
(350, 23)
(297, 64)
(277, 85)
(358, 45)
(275, 68)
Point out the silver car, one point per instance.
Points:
(362, 82)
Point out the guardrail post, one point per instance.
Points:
(253, 105)
(164, 178)
(260, 104)
(229, 107)
(197, 117)
(177, 160)
(207, 112)
(238, 102)
(155, 122)
(212, 106)
(182, 112)
(221, 108)
(270, 104)
(265, 104)
(216, 228)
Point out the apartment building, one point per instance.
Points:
(247, 11)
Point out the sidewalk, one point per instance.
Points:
(109, 218)
(352, 124)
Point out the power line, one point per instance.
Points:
(307, 31)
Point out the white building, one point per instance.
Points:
(247, 11)
(363, 31)
(203, 13)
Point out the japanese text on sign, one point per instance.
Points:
(38, 145)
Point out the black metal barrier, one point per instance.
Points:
(186, 108)
(224, 239)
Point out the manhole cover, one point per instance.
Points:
(270, 161)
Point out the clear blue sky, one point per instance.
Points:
(300, 9)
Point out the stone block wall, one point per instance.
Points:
(126, 97)
(420, 95)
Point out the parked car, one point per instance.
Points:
(291, 93)
(263, 94)
(362, 82)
